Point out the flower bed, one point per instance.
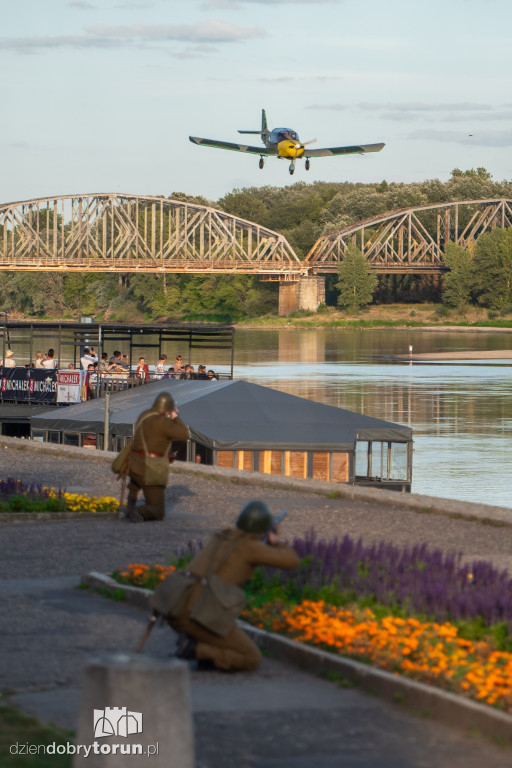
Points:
(140, 575)
(426, 651)
(412, 611)
(16, 496)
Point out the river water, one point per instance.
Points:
(460, 412)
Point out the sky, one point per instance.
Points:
(102, 95)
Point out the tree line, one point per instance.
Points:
(302, 213)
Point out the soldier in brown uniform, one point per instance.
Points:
(155, 430)
(238, 551)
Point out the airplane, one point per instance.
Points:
(283, 142)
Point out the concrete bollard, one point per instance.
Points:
(135, 705)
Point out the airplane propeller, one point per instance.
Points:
(302, 144)
(298, 145)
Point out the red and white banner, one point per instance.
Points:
(69, 386)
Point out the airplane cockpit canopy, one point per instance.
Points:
(281, 134)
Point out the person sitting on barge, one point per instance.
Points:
(9, 360)
(49, 362)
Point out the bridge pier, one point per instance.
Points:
(306, 293)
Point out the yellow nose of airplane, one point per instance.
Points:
(288, 148)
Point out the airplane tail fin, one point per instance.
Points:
(264, 127)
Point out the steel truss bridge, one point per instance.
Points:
(132, 233)
(411, 240)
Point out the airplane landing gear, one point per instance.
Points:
(307, 165)
(292, 168)
(261, 163)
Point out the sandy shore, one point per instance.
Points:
(485, 354)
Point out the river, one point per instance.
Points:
(460, 412)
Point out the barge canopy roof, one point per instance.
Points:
(232, 415)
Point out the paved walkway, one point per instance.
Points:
(277, 717)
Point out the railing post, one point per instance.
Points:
(106, 425)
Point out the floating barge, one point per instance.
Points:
(245, 426)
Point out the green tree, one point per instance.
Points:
(493, 269)
(356, 283)
(458, 282)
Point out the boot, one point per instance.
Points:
(185, 648)
(124, 512)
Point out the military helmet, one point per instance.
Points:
(164, 403)
(255, 517)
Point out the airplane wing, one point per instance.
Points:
(234, 147)
(329, 151)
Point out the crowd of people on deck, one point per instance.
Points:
(118, 366)
(116, 369)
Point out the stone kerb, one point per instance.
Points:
(34, 517)
(407, 501)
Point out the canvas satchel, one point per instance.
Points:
(219, 603)
(121, 463)
(172, 593)
(156, 468)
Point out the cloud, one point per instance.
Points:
(300, 79)
(468, 112)
(220, 5)
(239, 4)
(135, 6)
(82, 4)
(418, 106)
(194, 52)
(108, 37)
(479, 138)
(211, 31)
(34, 44)
(289, 2)
(410, 107)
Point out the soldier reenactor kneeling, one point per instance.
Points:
(202, 603)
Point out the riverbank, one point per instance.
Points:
(424, 317)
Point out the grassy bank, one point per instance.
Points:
(27, 743)
(386, 316)
(419, 316)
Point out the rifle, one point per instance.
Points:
(147, 632)
(276, 520)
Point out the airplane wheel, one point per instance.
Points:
(307, 165)
(262, 162)
(292, 171)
